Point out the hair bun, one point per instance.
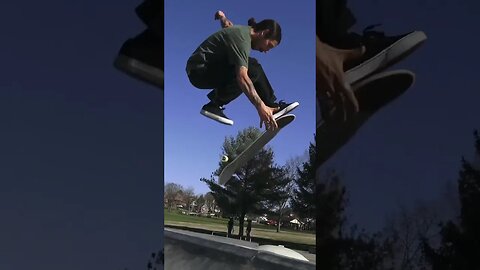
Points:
(252, 22)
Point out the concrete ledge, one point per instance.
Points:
(189, 250)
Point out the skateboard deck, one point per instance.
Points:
(373, 94)
(253, 148)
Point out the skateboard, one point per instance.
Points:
(372, 93)
(253, 148)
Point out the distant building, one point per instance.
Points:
(204, 209)
(178, 202)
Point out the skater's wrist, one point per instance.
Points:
(260, 106)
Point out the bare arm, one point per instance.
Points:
(264, 112)
(330, 77)
(224, 22)
(247, 87)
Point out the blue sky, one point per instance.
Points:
(192, 141)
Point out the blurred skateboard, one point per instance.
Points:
(253, 148)
(372, 93)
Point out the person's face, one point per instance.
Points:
(263, 44)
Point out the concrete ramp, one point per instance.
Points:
(189, 250)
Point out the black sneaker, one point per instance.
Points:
(142, 58)
(284, 108)
(215, 112)
(382, 52)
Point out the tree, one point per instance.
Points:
(281, 206)
(189, 198)
(363, 251)
(321, 194)
(170, 194)
(330, 198)
(406, 230)
(210, 201)
(278, 204)
(200, 202)
(460, 241)
(303, 200)
(156, 261)
(252, 186)
(331, 201)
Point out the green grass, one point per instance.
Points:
(220, 225)
(174, 216)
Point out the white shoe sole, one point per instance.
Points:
(286, 110)
(389, 56)
(140, 70)
(216, 117)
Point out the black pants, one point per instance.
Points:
(148, 46)
(222, 79)
(152, 15)
(334, 19)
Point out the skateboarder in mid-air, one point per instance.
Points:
(279, 111)
(222, 62)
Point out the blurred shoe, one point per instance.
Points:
(142, 58)
(382, 52)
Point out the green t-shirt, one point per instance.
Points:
(230, 46)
